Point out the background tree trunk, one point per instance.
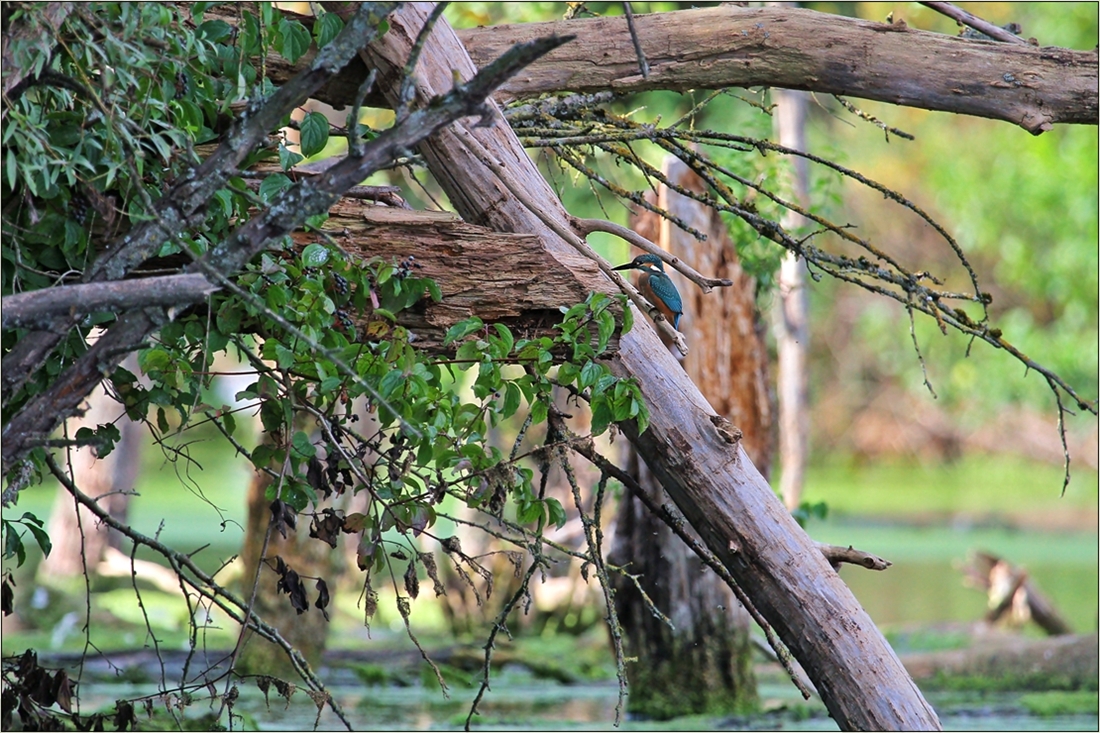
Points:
(702, 664)
(308, 557)
(792, 312)
(79, 542)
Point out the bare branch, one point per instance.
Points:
(643, 65)
(984, 26)
(837, 555)
(201, 583)
(39, 307)
(728, 46)
(676, 522)
(585, 227)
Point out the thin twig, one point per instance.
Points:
(676, 524)
(202, 583)
(584, 227)
(408, 81)
(873, 120)
(643, 65)
(984, 26)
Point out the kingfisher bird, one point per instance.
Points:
(657, 287)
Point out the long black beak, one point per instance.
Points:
(627, 266)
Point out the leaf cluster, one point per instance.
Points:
(123, 105)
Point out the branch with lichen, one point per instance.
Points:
(567, 125)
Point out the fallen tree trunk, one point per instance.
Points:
(792, 48)
(498, 276)
(1016, 662)
(713, 482)
(728, 46)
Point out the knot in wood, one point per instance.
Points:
(727, 431)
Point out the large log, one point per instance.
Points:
(729, 46)
(1017, 662)
(499, 277)
(712, 481)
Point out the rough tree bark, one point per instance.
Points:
(702, 664)
(730, 46)
(712, 481)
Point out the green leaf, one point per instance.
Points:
(13, 544)
(262, 455)
(284, 357)
(229, 317)
(556, 511)
(605, 382)
(463, 328)
(273, 185)
(469, 351)
(327, 27)
(302, 446)
(508, 341)
(530, 512)
(571, 314)
(39, 534)
(590, 372)
(277, 296)
(293, 40)
(620, 409)
(315, 255)
(539, 411)
(152, 360)
(288, 158)
(601, 416)
(314, 133)
(298, 494)
(228, 421)
(512, 397)
(391, 382)
(10, 167)
(214, 31)
(271, 416)
(568, 373)
(605, 324)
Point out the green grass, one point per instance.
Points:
(976, 486)
(1058, 702)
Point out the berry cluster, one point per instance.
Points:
(406, 267)
(183, 85)
(79, 207)
(340, 284)
(343, 321)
